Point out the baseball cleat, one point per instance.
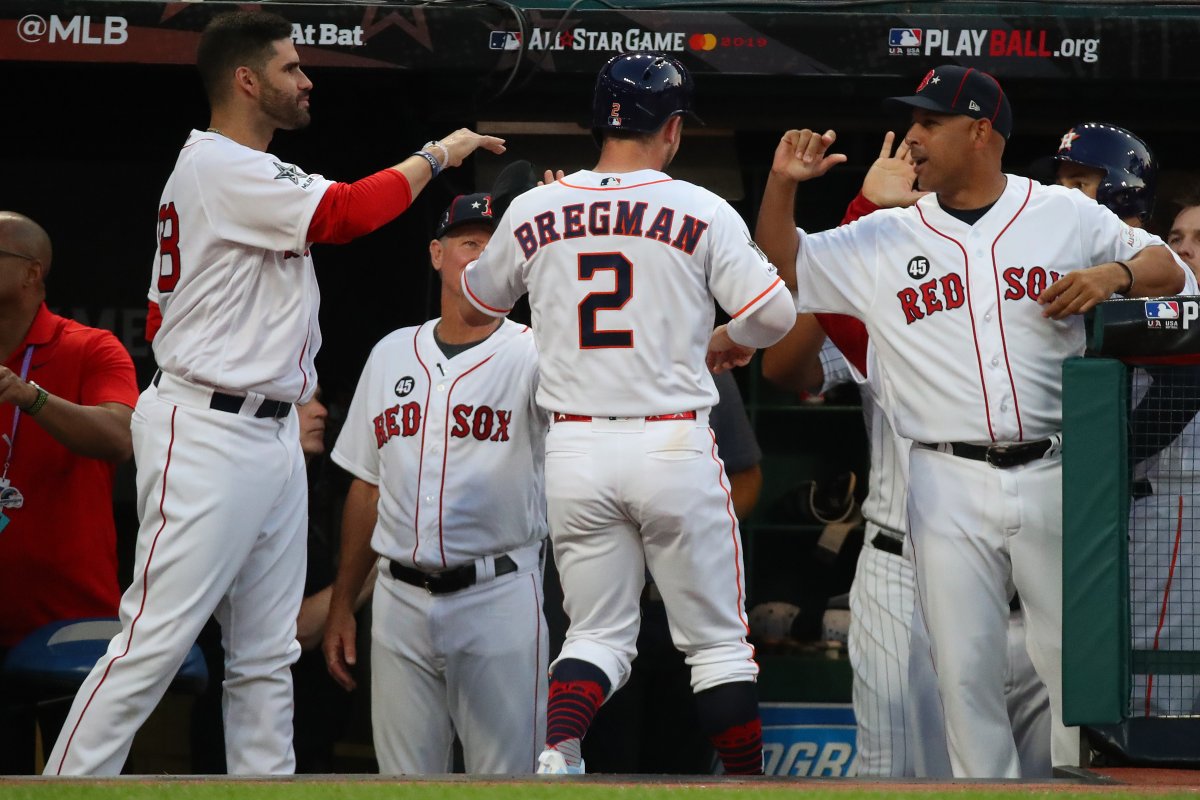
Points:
(551, 762)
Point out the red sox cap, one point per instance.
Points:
(466, 208)
(950, 89)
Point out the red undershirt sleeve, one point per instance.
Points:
(860, 206)
(153, 321)
(847, 333)
(349, 210)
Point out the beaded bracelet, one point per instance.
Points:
(434, 164)
(439, 146)
(36, 406)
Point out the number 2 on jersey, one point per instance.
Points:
(589, 264)
(168, 248)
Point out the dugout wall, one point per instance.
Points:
(1131, 530)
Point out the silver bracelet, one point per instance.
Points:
(439, 146)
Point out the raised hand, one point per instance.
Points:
(551, 177)
(464, 141)
(801, 155)
(889, 181)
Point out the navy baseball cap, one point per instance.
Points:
(951, 89)
(466, 208)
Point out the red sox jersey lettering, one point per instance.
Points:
(484, 423)
(969, 356)
(455, 446)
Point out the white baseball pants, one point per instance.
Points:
(626, 494)
(223, 502)
(472, 662)
(978, 531)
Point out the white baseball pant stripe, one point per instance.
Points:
(223, 502)
(881, 612)
(471, 662)
(626, 494)
(968, 555)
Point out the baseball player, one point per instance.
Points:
(971, 298)
(221, 483)
(1110, 165)
(898, 715)
(622, 264)
(1184, 236)
(446, 445)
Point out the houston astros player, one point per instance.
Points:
(1110, 165)
(1117, 169)
(896, 708)
(446, 446)
(220, 475)
(622, 264)
(971, 298)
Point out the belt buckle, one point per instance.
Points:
(430, 579)
(999, 456)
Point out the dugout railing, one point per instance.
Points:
(1131, 519)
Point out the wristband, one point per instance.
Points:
(434, 164)
(1128, 272)
(439, 146)
(37, 404)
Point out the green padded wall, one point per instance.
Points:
(1096, 682)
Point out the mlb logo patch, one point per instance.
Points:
(504, 40)
(1162, 309)
(904, 37)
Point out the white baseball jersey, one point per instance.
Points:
(648, 254)
(232, 272)
(455, 446)
(952, 308)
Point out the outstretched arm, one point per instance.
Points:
(799, 156)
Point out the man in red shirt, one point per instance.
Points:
(66, 396)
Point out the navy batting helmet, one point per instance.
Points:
(640, 92)
(1130, 171)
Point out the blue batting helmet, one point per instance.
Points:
(1130, 170)
(640, 92)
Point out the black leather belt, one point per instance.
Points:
(1002, 456)
(888, 544)
(268, 409)
(449, 580)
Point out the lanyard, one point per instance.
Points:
(11, 439)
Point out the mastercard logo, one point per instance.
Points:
(702, 41)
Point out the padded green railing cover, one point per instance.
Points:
(1096, 677)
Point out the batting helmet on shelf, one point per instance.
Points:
(640, 92)
(1130, 170)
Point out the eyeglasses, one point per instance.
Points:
(16, 255)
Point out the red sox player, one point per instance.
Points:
(622, 264)
(222, 491)
(971, 298)
(446, 445)
(896, 708)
